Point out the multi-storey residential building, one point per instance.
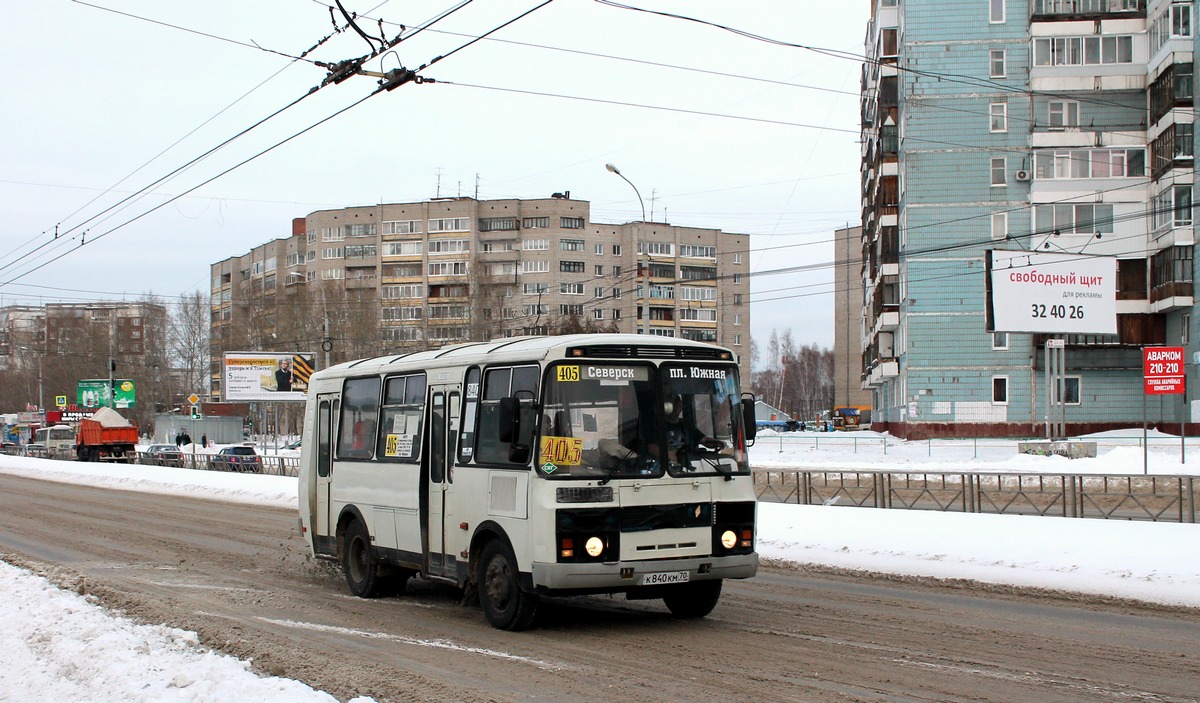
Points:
(413, 275)
(47, 350)
(1062, 125)
(848, 390)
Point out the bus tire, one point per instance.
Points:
(363, 574)
(693, 600)
(504, 604)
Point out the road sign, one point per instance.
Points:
(60, 401)
(193, 399)
(1163, 370)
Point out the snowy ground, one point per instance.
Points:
(61, 646)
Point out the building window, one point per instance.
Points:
(598, 314)
(599, 293)
(1091, 50)
(737, 340)
(1067, 390)
(999, 225)
(656, 248)
(1064, 114)
(571, 266)
(535, 266)
(996, 12)
(449, 246)
(697, 251)
(1000, 390)
(999, 112)
(535, 245)
(999, 171)
(737, 257)
(616, 272)
(1000, 340)
(402, 227)
(1082, 218)
(365, 230)
(535, 222)
(331, 253)
(497, 224)
(616, 249)
(1090, 163)
(571, 244)
(996, 63)
(570, 288)
(448, 268)
(1185, 328)
(599, 269)
(535, 288)
(571, 222)
(450, 224)
(599, 250)
(403, 248)
(737, 298)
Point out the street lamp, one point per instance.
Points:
(637, 231)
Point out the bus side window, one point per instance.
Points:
(466, 447)
(519, 383)
(359, 420)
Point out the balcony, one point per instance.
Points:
(882, 370)
(1060, 10)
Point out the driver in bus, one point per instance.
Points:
(679, 434)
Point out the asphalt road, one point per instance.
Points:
(240, 576)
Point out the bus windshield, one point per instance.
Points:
(626, 420)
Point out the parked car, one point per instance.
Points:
(163, 455)
(35, 449)
(236, 458)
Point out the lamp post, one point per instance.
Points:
(642, 280)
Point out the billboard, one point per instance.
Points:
(272, 376)
(92, 393)
(1051, 293)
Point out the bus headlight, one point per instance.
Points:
(594, 546)
(729, 539)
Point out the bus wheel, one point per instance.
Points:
(358, 562)
(693, 600)
(504, 604)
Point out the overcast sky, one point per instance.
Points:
(99, 105)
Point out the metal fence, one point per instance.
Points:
(1113, 497)
(973, 448)
(270, 465)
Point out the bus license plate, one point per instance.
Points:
(662, 577)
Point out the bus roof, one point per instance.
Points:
(526, 347)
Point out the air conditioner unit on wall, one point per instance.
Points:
(1022, 175)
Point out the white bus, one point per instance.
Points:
(534, 466)
(59, 441)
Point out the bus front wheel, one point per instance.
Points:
(693, 600)
(358, 562)
(504, 604)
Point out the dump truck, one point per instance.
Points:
(106, 436)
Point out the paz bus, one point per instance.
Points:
(59, 441)
(534, 467)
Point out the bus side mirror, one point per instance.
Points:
(749, 423)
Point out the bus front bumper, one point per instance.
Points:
(628, 575)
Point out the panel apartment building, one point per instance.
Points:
(448, 270)
(1061, 125)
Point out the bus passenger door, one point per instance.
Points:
(327, 407)
(442, 421)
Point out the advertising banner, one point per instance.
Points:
(92, 393)
(1051, 293)
(273, 376)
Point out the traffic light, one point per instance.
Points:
(195, 412)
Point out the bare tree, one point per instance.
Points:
(188, 343)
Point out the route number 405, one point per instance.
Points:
(1063, 312)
